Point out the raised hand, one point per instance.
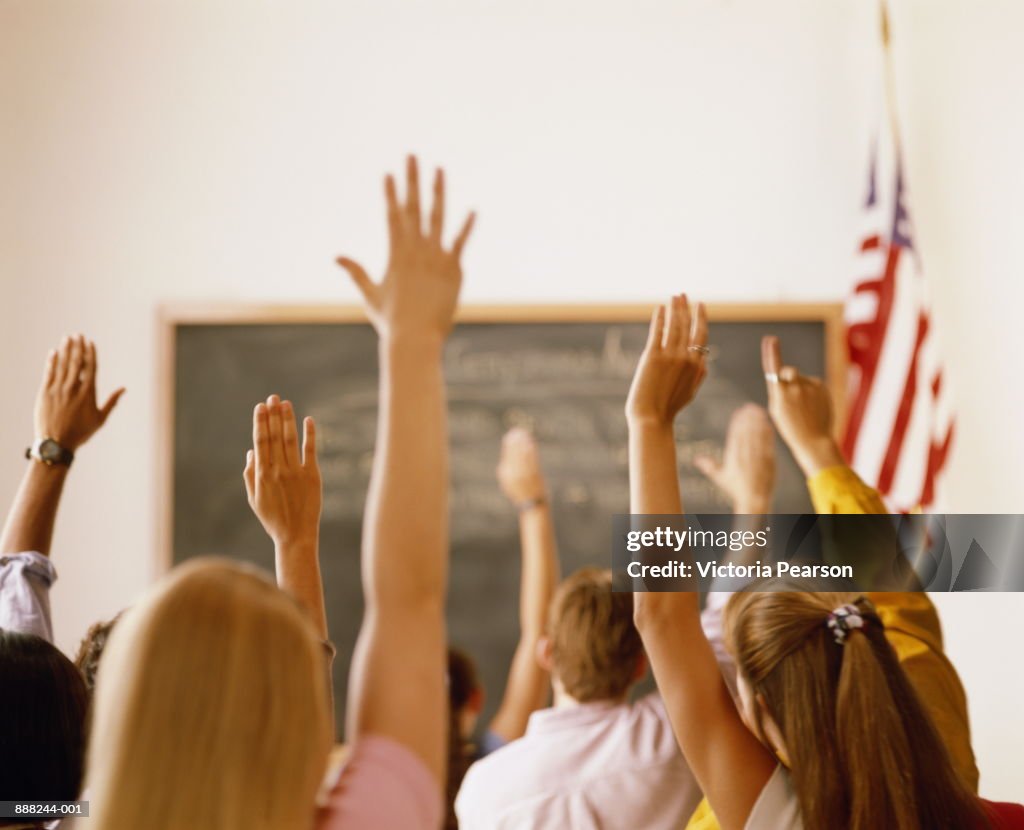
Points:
(746, 473)
(672, 366)
(519, 472)
(282, 482)
(420, 289)
(801, 408)
(66, 408)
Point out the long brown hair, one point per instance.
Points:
(863, 753)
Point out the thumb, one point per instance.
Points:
(249, 474)
(359, 276)
(707, 465)
(108, 407)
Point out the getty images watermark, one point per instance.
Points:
(792, 551)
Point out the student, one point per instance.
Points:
(66, 417)
(212, 705)
(594, 759)
(522, 481)
(220, 676)
(837, 737)
(43, 698)
(911, 622)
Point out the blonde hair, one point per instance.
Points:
(862, 751)
(211, 708)
(595, 648)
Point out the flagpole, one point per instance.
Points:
(890, 75)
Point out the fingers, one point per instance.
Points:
(394, 215)
(70, 363)
(359, 276)
(261, 434)
(308, 443)
(699, 334)
(249, 474)
(50, 369)
(108, 407)
(412, 195)
(788, 374)
(289, 434)
(63, 363)
(275, 430)
(75, 363)
(437, 209)
(89, 366)
(460, 240)
(771, 355)
(657, 330)
(672, 330)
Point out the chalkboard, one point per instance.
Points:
(563, 372)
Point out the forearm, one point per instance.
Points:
(406, 526)
(539, 570)
(298, 573)
(653, 477)
(654, 490)
(817, 454)
(528, 684)
(32, 517)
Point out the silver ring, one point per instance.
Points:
(771, 377)
(700, 349)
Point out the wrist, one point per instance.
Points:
(817, 454)
(532, 504)
(649, 423)
(753, 506)
(413, 341)
(292, 544)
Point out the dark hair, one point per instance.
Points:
(463, 681)
(43, 702)
(90, 650)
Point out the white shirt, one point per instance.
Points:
(25, 580)
(776, 807)
(595, 765)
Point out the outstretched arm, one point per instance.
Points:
(282, 482)
(66, 412)
(397, 680)
(729, 763)
(522, 481)
(801, 408)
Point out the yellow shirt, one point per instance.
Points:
(913, 630)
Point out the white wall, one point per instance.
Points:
(227, 151)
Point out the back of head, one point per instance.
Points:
(463, 683)
(211, 707)
(862, 750)
(595, 648)
(90, 650)
(43, 705)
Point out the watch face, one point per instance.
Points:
(49, 450)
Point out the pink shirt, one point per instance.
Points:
(383, 786)
(597, 765)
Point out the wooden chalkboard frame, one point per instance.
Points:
(170, 317)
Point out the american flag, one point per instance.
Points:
(900, 425)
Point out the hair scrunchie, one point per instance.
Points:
(843, 620)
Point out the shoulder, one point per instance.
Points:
(25, 580)
(385, 785)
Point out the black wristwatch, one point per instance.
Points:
(49, 452)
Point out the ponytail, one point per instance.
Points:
(863, 752)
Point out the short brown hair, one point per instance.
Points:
(594, 644)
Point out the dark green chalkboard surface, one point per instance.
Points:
(563, 371)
